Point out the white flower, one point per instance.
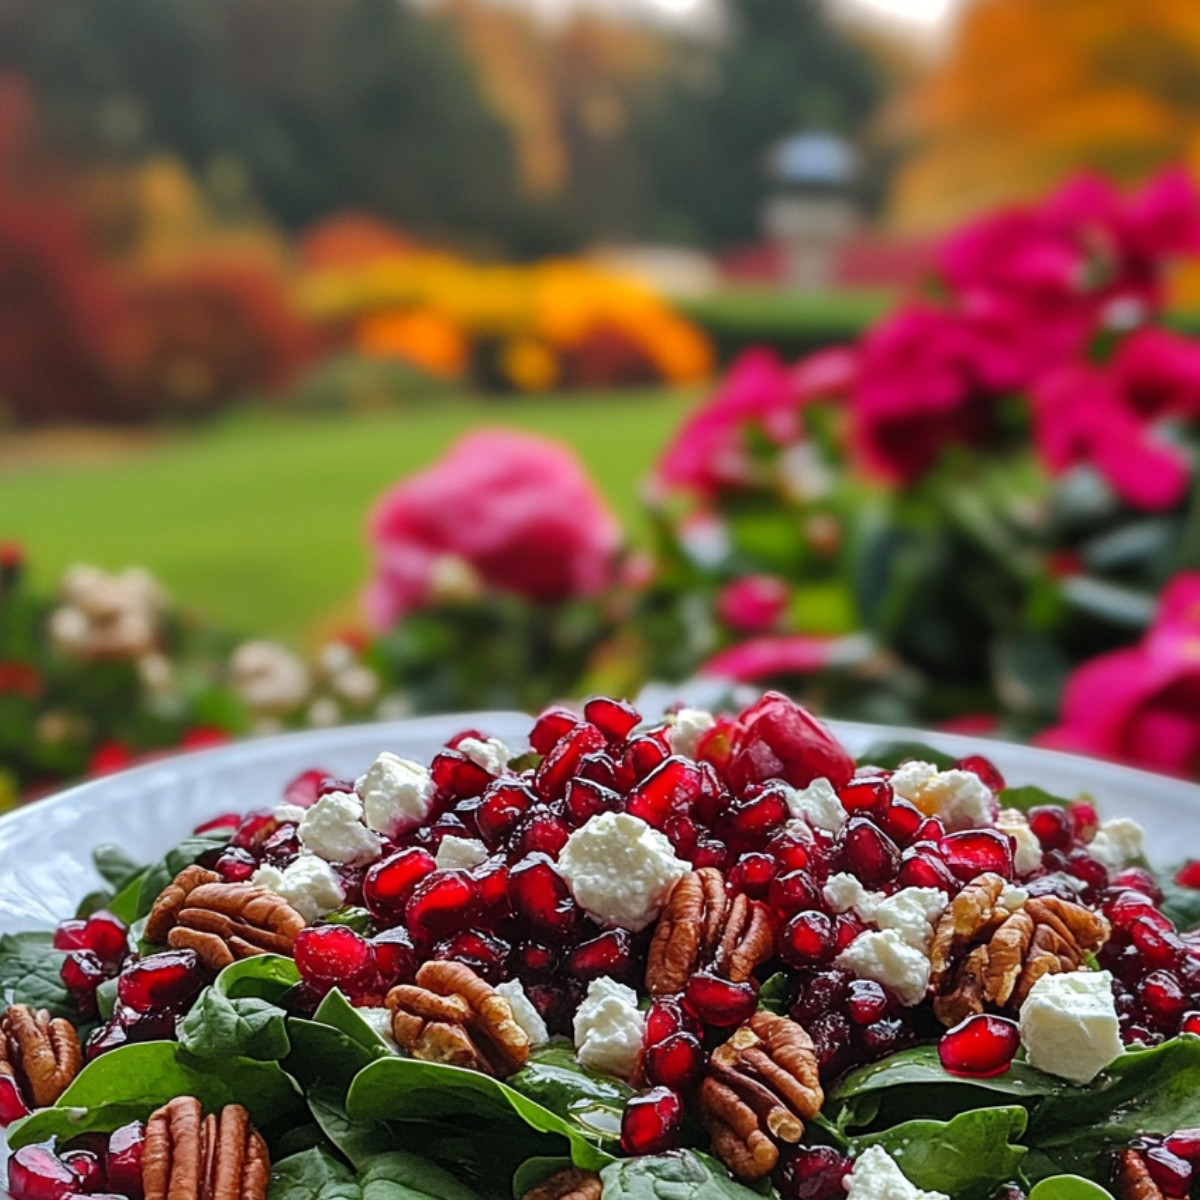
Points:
(269, 678)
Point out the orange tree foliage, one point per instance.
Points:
(1030, 90)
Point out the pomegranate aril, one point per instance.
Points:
(812, 1173)
(868, 852)
(807, 940)
(304, 789)
(464, 735)
(684, 836)
(1160, 948)
(718, 1002)
(1190, 1023)
(34, 1173)
(925, 868)
(562, 761)
(540, 897)
(484, 953)
(598, 768)
(389, 884)
(1084, 867)
(539, 832)
(651, 1122)
(1084, 820)
(395, 958)
(1185, 1143)
(974, 851)
(676, 1062)
(534, 961)
(866, 1002)
(82, 972)
(831, 1037)
(1188, 875)
(670, 789)
(492, 878)
(642, 756)
(163, 980)
(1172, 1173)
(124, 1162)
(69, 935)
(88, 1169)
(790, 852)
(846, 928)
(869, 796)
(12, 1102)
(458, 776)
(886, 1036)
(1162, 1000)
(901, 821)
(440, 903)
(1124, 908)
(255, 828)
(931, 830)
(818, 993)
(616, 719)
(611, 953)
(282, 847)
(750, 822)
(235, 865)
(550, 727)
(334, 955)
(502, 805)
(793, 892)
(984, 769)
(667, 1016)
(752, 874)
(1051, 826)
(979, 1047)
(217, 824)
(710, 852)
(1138, 879)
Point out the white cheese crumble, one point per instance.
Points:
(686, 728)
(1028, 854)
(396, 794)
(845, 893)
(525, 1015)
(608, 1028)
(875, 1176)
(620, 870)
(912, 912)
(457, 853)
(289, 814)
(1013, 898)
(1117, 843)
(308, 884)
(818, 804)
(492, 755)
(884, 956)
(1069, 1025)
(960, 799)
(333, 829)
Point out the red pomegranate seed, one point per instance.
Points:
(457, 775)
(684, 836)
(616, 719)
(677, 1062)
(34, 1173)
(778, 739)
(1162, 999)
(1084, 820)
(533, 960)
(1172, 1173)
(87, 1168)
(540, 895)
(1126, 907)
(1190, 1023)
(224, 821)
(12, 1103)
(831, 1036)
(562, 762)
(1084, 867)
(106, 936)
(886, 1036)
(255, 828)
(1138, 879)
(540, 831)
(69, 936)
(867, 1002)
(1189, 874)
(813, 1173)
(484, 953)
(651, 1122)
(979, 1047)
(611, 953)
(931, 830)
(550, 727)
(598, 768)
(492, 877)
(749, 822)
(869, 796)
(1052, 826)
(642, 755)
(334, 955)
(476, 735)
(395, 958)
(1160, 948)
(752, 874)
(669, 789)
(123, 1164)
(790, 851)
(868, 852)
(1185, 1143)
(82, 972)
(845, 929)
(389, 884)
(718, 1002)
(925, 868)
(710, 852)
(667, 1016)
(901, 821)
(441, 903)
(503, 804)
(304, 789)
(236, 865)
(818, 994)
(974, 851)
(282, 847)
(807, 940)
(986, 770)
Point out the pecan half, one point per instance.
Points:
(983, 955)
(222, 922)
(762, 1085)
(189, 1156)
(450, 1015)
(40, 1052)
(701, 927)
(1133, 1179)
(571, 1183)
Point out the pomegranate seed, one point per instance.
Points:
(869, 796)
(225, 821)
(790, 893)
(553, 725)
(932, 830)
(718, 1002)
(925, 868)
(598, 768)
(440, 903)
(484, 953)
(503, 804)
(813, 1173)
(901, 821)
(1185, 1143)
(807, 940)
(616, 719)
(867, 1002)
(540, 895)
(124, 1162)
(886, 1036)
(752, 874)
(106, 936)
(986, 770)
(476, 735)
(1160, 948)
(160, 981)
(868, 852)
(457, 775)
(819, 993)
(88, 1169)
(1190, 1023)
(974, 851)
(1162, 999)
(389, 884)
(1126, 907)
(979, 1047)
(331, 784)
(303, 790)
(82, 971)
(669, 789)
(651, 1122)
(1084, 867)
(1172, 1173)
(790, 852)
(684, 836)
(534, 961)
(69, 936)
(677, 1062)
(667, 1016)
(255, 828)
(710, 852)
(845, 929)
(562, 761)
(282, 847)
(609, 954)
(329, 955)
(539, 832)
(749, 822)
(12, 1103)
(1189, 874)
(643, 755)
(236, 865)
(34, 1173)
(395, 958)
(1138, 879)
(831, 1037)
(778, 739)
(492, 877)
(1052, 826)
(1084, 820)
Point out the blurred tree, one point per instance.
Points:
(1032, 90)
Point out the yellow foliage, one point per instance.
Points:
(424, 337)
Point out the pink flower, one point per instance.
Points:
(753, 603)
(505, 510)
(763, 657)
(1158, 372)
(917, 392)
(1081, 416)
(1141, 705)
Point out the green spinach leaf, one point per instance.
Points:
(218, 1028)
(266, 977)
(395, 1175)
(1181, 904)
(1027, 797)
(322, 1054)
(1068, 1187)
(535, 1171)
(682, 1175)
(335, 1010)
(30, 973)
(312, 1175)
(159, 874)
(774, 993)
(115, 866)
(890, 755)
(555, 1080)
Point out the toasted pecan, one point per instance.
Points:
(189, 1156)
(42, 1053)
(571, 1183)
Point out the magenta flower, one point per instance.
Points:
(1158, 373)
(753, 603)
(765, 657)
(501, 510)
(1141, 705)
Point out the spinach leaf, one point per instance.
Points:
(672, 1176)
(106, 998)
(356, 1140)
(555, 1080)
(407, 1089)
(1068, 1187)
(335, 1010)
(322, 1054)
(125, 903)
(966, 1157)
(93, 902)
(218, 1027)
(1143, 1091)
(266, 977)
(30, 973)
(774, 993)
(161, 873)
(115, 866)
(312, 1175)
(1027, 797)
(1181, 904)
(357, 919)
(129, 1083)
(398, 1175)
(890, 755)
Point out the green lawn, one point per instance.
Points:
(257, 521)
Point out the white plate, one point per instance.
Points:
(45, 849)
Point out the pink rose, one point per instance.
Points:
(1141, 705)
(753, 603)
(506, 510)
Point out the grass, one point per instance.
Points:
(256, 522)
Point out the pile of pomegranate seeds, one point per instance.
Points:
(93, 1164)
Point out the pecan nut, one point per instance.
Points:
(450, 1015)
(1133, 1179)
(762, 1085)
(571, 1183)
(41, 1053)
(701, 927)
(189, 1156)
(222, 922)
(985, 955)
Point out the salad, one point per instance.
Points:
(709, 958)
